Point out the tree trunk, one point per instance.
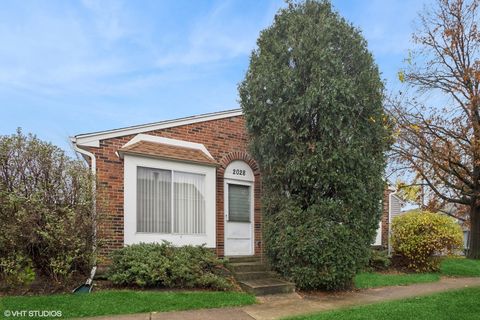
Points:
(474, 239)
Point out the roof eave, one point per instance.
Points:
(93, 139)
(122, 153)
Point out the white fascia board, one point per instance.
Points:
(89, 143)
(398, 198)
(172, 142)
(93, 139)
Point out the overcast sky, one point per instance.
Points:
(69, 67)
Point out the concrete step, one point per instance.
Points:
(247, 267)
(252, 275)
(266, 286)
(238, 259)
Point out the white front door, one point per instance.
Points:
(238, 218)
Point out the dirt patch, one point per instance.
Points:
(43, 285)
(103, 285)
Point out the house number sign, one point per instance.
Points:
(239, 172)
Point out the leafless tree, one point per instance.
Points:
(442, 144)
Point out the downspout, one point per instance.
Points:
(390, 221)
(93, 168)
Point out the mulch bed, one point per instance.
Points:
(43, 285)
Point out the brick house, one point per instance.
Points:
(187, 181)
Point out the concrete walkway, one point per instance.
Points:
(280, 306)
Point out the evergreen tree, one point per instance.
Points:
(312, 99)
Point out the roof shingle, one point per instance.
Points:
(166, 151)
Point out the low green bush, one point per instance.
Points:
(420, 237)
(379, 260)
(163, 265)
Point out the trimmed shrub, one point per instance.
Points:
(46, 211)
(163, 265)
(312, 99)
(420, 237)
(379, 260)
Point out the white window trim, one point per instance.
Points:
(131, 236)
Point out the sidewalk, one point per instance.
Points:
(280, 306)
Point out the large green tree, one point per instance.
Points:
(312, 98)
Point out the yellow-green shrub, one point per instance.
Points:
(421, 236)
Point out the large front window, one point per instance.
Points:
(170, 201)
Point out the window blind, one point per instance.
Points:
(154, 200)
(238, 203)
(170, 202)
(189, 203)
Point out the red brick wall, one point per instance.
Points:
(225, 139)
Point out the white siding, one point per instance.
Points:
(394, 210)
(378, 237)
(395, 207)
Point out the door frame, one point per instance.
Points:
(251, 185)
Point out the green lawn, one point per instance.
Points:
(123, 302)
(460, 267)
(452, 267)
(372, 280)
(460, 304)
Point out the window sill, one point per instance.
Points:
(173, 234)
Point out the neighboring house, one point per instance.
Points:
(392, 207)
(187, 181)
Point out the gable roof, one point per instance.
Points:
(166, 151)
(92, 139)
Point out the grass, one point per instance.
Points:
(128, 302)
(460, 304)
(451, 267)
(460, 267)
(373, 280)
(123, 302)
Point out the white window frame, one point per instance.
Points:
(131, 236)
